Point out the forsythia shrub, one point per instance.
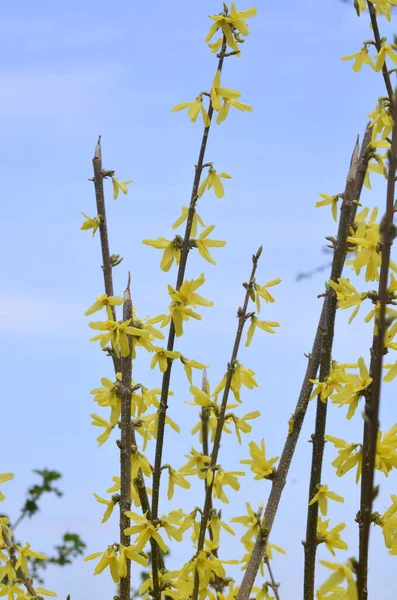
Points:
(363, 243)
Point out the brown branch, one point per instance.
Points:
(171, 340)
(279, 482)
(378, 44)
(242, 317)
(126, 446)
(318, 440)
(372, 405)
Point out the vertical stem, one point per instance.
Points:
(125, 447)
(291, 441)
(171, 340)
(242, 317)
(318, 440)
(372, 406)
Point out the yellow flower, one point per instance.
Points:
(347, 295)
(181, 299)
(201, 398)
(251, 521)
(342, 572)
(100, 422)
(218, 92)
(360, 58)
(261, 291)
(175, 478)
(331, 538)
(382, 120)
(196, 219)
(197, 464)
(265, 325)
(230, 24)
(259, 464)
(23, 553)
(161, 355)
(104, 301)
(241, 424)
(118, 335)
(90, 223)
(241, 376)
(172, 251)
(145, 529)
(3, 478)
(322, 498)
(109, 504)
(219, 478)
(108, 559)
(202, 244)
(227, 103)
(392, 372)
(213, 179)
(333, 200)
(195, 108)
(109, 395)
(120, 185)
(386, 50)
(189, 365)
(367, 253)
(216, 525)
(348, 457)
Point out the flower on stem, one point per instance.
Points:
(134, 492)
(386, 451)
(25, 552)
(229, 23)
(117, 334)
(240, 424)
(259, 464)
(213, 179)
(202, 244)
(392, 372)
(120, 185)
(388, 523)
(332, 382)
(90, 223)
(109, 506)
(227, 103)
(130, 552)
(218, 478)
(201, 398)
(206, 564)
(331, 538)
(146, 530)
(381, 119)
(109, 395)
(216, 524)
(189, 365)
(161, 357)
(347, 295)
(172, 251)
(263, 593)
(269, 550)
(98, 421)
(175, 478)
(195, 107)
(360, 58)
(332, 200)
(139, 462)
(197, 464)
(104, 301)
(196, 220)
(322, 496)
(349, 456)
(251, 521)
(385, 50)
(341, 573)
(261, 291)
(3, 478)
(241, 376)
(265, 325)
(181, 299)
(218, 92)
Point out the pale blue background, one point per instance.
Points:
(73, 70)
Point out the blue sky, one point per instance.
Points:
(73, 71)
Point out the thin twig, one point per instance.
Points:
(372, 405)
(171, 340)
(378, 44)
(275, 586)
(242, 318)
(318, 440)
(279, 482)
